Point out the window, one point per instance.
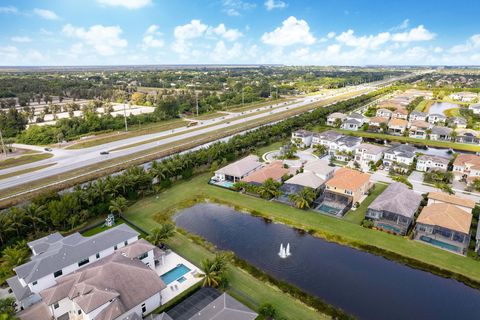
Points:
(83, 262)
(79, 312)
(34, 283)
(97, 255)
(144, 308)
(55, 305)
(57, 274)
(115, 247)
(126, 242)
(143, 256)
(348, 192)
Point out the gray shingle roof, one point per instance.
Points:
(349, 141)
(330, 135)
(19, 291)
(241, 167)
(418, 113)
(70, 250)
(441, 130)
(397, 198)
(225, 308)
(402, 150)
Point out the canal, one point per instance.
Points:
(362, 284)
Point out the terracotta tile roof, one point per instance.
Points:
(38, 311)
(398, 122)
(348, 179)
(447, 198)
(446, 216)
(470, 159)
(274, 170)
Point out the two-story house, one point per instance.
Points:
(427, 163)
(417, 116)
(336, 118)
(466, 167)
(436, 118)
(302, 138)
(367, 153)
(401, 154)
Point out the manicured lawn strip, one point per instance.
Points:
(424, 105)
(401, 249)
(452, 112)
(255, 105)
(431, 143)
(18, 161)
(19, 172)
(206, 116)
(358, 215)
(134, 131)
(271, 147)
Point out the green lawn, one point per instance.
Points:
(19, 172)
(424, 105)
(18, 161)
(358, 215)
(271, 147)
(148, 211)
(431, 143)
(453, 112)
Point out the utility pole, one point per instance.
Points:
(242, 96)
(3, 144)
(196, 97)
(125, 116)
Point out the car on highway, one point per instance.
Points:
(103, 153)
(48, 149)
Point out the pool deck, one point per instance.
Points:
(175, 288)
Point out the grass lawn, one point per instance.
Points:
(452, 112)
(18, 161)
(424, 105)
(358, 215)
(206, 116)
(19, 172)
(149, 211)
(431, 143)
(255, 105)
(271, 147)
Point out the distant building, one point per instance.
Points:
(377, 121)
(400, 113)
(384, 113)
(417, 116)
(467, 136)
(457, 122)
(394, 210)
(464, 96)
(397, 126)
(336, 117)
(475, 108)
(419, 129)
(435, 118)
(352, 124)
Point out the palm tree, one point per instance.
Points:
(17, 220)
(15, 255)
(320, 149)
(269, 189)
(35, 215)
(118, 205)
(214, 270)
(303, 199)
(161, 234)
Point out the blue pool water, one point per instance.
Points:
(440, 244)
(327, 209)
(174, 274)
(388, 227)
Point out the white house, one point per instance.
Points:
(367, 153)
(384, 113)
(457, 122)
(427, 163)
(55, 256)
(336, 117)
(441, 133)
(326, 138)
(352, 124)
(401, 154)
(464, 96)
(417, 116)
(302, 138)
(320, 168)
(435, 118)
(344, 148)
(238, 170)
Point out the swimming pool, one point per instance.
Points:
(440, 244)
(388, 227)
(176, 273)
(327, 209)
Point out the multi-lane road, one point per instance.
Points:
(65, 160)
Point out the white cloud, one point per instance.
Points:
(416, 34)
(402, 26)
(221, 53)
(9, 9)
(129, 4)
(191, 30)
(20, 39)
(235, 7)
(275, 4)
(227, 34)
(46, 14)
(292, 31)
(472, 44)
(152, 38)
(365, 42)
(331, 34)
(105, 40)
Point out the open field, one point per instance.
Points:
(19, 172)
(28, 158)
(151, 210)
(134, 131)
(430, 143)
(357, 215)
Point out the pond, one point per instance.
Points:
(362, 284)
(439, 107)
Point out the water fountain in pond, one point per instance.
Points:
(284, 251)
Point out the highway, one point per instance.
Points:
(68, 160)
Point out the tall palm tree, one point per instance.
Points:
(118, 205)
(17, 219)
(15, 255)
(161, 234)
(214, 270)
(303, 199)
(35, 214)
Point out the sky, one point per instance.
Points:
(290, 32)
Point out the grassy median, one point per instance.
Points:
(21, 160)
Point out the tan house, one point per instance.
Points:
(377, 121)
(466, 167)
(397, 126)
(274, 170)
(442, 197)
(349, 183)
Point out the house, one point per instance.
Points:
(417, 116)
(384, 113)
(376, 122)
(237, 171)
(464, 96)
(467, 136)
(397, 126)
(347, 186)
(442, 197)
(466, 167)
(274, 170)
(358, 117)
(475, 108)
(302, 138)
(435, 118)
(445, 226)
(352, 124)
(320, 168)
(402, 154)
(441, 133)
(419, 129)
(457, 122)
(426, 163)
(306, 179)
(55, 256)
(400, 113)
(208, 304)
(326, 138)
(336, 118)
(112, 288)
(394, 210)
(344, 148)
(367, 153)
